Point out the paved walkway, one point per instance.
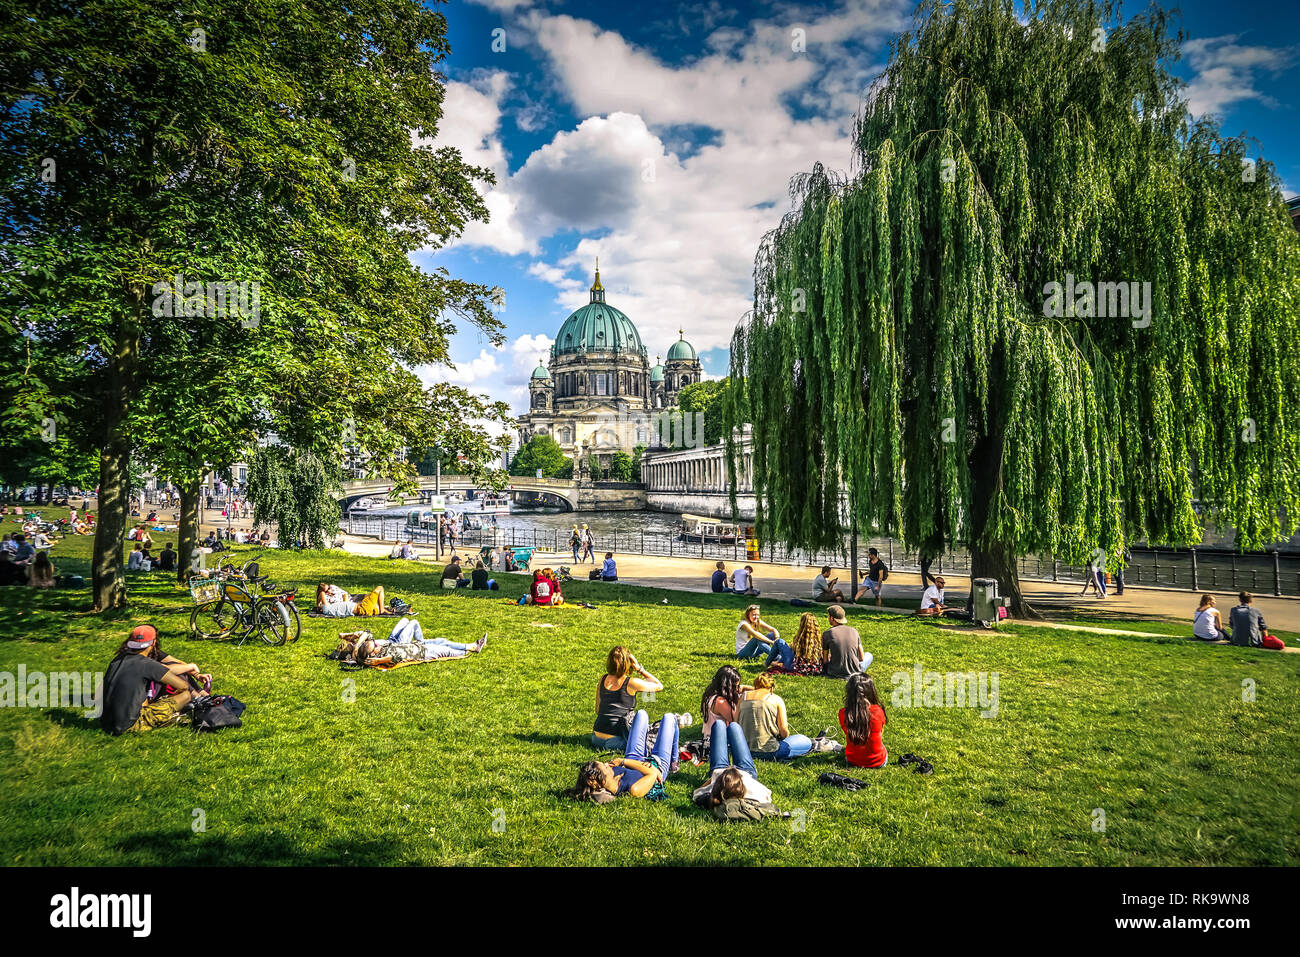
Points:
(1054, 600)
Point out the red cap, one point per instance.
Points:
(142, 636)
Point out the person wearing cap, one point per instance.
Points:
(130, 677)
(932, 600)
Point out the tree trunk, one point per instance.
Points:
(989, 557)
(187, 542)
(108, 578)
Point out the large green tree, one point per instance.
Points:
(279, 144)
(908, 346)
(539, 452)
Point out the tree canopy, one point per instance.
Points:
(540, 452)
(907, 345)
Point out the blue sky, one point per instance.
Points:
(660, 136)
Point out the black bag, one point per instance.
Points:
(594, 575)
(217, 711)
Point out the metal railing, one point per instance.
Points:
(1191, 569)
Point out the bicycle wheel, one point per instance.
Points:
(215, 620)
(273, 621)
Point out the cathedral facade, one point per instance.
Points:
(599, 392)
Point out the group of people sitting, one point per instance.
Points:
(740, 582)
(24, 563)
(742, 723)
(1246, 624)
(835, 652)
(453, 576)
(140, 560)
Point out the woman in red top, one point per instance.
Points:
(863, 718)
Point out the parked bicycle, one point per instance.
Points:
(236, 602)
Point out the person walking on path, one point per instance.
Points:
(588, 543)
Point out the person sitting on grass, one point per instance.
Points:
(863, 719)
(807, 648)
(42, 573)
(1207, 625)
(744, 579)
(932, 599)
(609, 571)
(376, 653)
(842, 652)
(334, 602)
(640, 772)
(616, 697)
(733, 792)
(762, 716)
(167, 558)
(395, 552)
(452, 576)
(754, 636)
(824, 588)
(479, 580)
(131, 676)
(545, 589)
(11, 573)
(720, 583)
(408, 552)
(1248, 626)
(135, 561)
(721, 699)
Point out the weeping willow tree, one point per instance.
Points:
(932, 353)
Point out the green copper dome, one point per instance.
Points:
(597, 327)
(681, 349)
(657, 371)
(540, 372)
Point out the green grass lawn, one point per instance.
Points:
(460, 762)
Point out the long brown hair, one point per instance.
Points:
(155, 650)
(726, 685)
(728, 785)
(859, 695)
(591, 780)
(808, 639)
(619, 662)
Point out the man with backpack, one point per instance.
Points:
(130, 678)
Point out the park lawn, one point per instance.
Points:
(461, 762)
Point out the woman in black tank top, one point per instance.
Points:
(616, 698)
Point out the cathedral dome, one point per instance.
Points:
(598, 327)
(681, 349)
(540, 372)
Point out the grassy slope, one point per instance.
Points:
(418, 768)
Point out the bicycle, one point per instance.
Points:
(233, 603)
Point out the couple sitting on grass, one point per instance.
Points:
(836, 652)
(406, 644)
(145, 688)
(1247, 624)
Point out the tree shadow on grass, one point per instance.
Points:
(184, 847)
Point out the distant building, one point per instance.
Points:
(1293, 207)
(600, 387)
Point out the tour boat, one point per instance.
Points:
(495, 504)
(701, 528)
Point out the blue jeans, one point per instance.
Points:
(741, 591)
(666, 745)
(754, 648)
(795, 746)
(727, 744)
(408, 629)
(784, 651)
(616, 743)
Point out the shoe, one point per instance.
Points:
(481, 643)
(924, 767)
(908, 758)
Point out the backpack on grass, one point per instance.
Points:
(215, 712)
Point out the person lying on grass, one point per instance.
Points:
(733, 793)
(721, 699)
(616, 697)
(137, 684)
(754, 636)
(407, 643)
(863, 719)
(640, 772)
(333, 602)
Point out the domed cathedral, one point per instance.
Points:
(600, 386)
